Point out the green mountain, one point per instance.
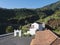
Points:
(17, 18)
(53, 6)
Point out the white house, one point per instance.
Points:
(36, 26)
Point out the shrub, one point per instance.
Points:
(9, 29)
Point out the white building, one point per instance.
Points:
(36, 26)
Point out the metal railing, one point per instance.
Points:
(4, 35)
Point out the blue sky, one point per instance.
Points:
(25, 3)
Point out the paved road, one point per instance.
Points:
(11, 40)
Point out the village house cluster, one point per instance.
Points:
(32, 30)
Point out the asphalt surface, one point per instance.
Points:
(11, 40)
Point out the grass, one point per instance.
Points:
(57, 31)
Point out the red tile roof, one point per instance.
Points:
(45, 37)
(56, 42)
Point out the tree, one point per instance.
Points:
(9, 29)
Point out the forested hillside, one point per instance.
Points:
(11, 19)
